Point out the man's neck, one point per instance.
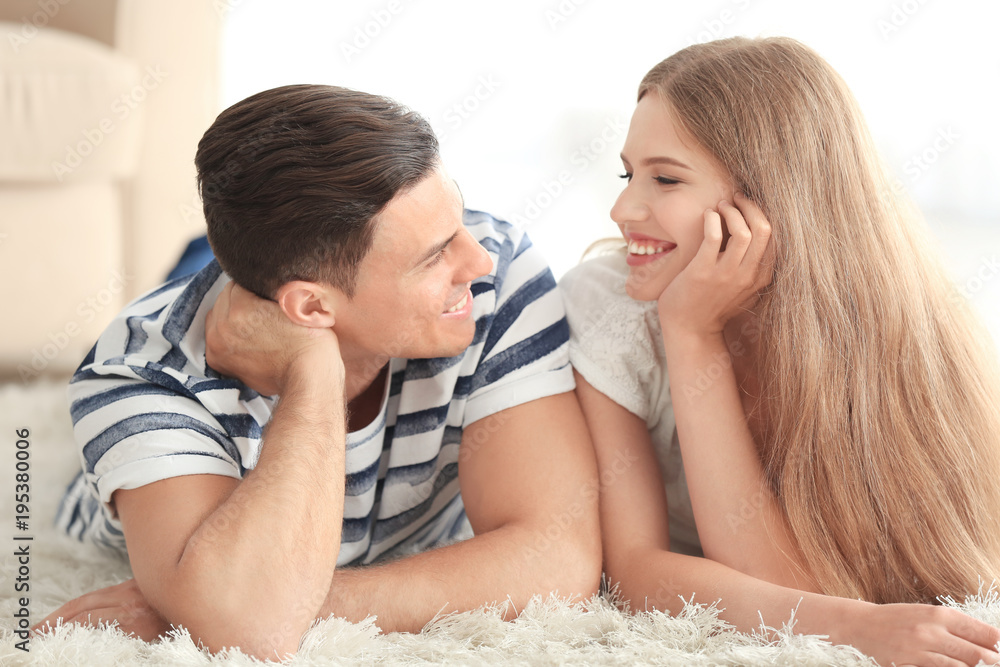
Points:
(365, 381)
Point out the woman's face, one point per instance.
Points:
(661, 213)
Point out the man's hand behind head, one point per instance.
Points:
(257, 342)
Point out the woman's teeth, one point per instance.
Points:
(460, 305)
(637, 248)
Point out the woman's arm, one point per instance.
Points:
(635, 538)
(740, 523)
(635, 528)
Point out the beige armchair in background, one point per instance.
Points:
(102, 104)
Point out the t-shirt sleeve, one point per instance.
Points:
(143, 406)
(524, 352)
(132, 432)
(613, 342)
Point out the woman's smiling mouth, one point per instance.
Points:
(645, 250)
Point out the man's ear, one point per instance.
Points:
(308, 304)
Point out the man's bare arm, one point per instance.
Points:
(530, 488)
(225, 558)
(247, 563)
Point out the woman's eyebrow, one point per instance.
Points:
(665, 160)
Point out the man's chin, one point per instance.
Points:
(460, 343)
(441, 349)
(456, 349)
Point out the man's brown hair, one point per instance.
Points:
(292, 180)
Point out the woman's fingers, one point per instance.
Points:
(708, 252)
(741, 237)
(759, 254)
(923, 635)
(978, 640)
(713, 234)
(716, 284)
(963, 652)
(748, 257)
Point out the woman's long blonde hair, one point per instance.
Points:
(880, 410)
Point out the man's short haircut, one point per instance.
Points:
(292, 180)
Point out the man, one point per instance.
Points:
(382, 374)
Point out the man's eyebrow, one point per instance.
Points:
(648, 162)
(436, 249)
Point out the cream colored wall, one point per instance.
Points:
(75, 247)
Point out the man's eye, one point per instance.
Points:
(436, 259)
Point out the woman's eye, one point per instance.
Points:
(662, 180)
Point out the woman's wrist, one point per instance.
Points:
(681, 340)
(829, 615)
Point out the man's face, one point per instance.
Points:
(412, 297)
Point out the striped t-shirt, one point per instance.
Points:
(146, 408)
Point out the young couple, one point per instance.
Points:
(778, 322)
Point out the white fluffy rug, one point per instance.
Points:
(546, 633)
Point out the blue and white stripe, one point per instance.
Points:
(146, 408)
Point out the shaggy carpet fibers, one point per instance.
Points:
(547, 632)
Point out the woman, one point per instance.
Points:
(836, 406)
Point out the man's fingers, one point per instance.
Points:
(142, 622)
(71, 609)
(249, 313)
(71, 612)
(92, 617)
(146, 626)
(109, 597)
(223, 302)
(48, 622)
(243, 300)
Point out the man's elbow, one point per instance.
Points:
(224, 621)
(264, 639)
(584, 581)
(577, 569)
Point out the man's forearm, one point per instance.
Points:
(263, 560)
(512, 562)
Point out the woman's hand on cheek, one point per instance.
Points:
(718, 284)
